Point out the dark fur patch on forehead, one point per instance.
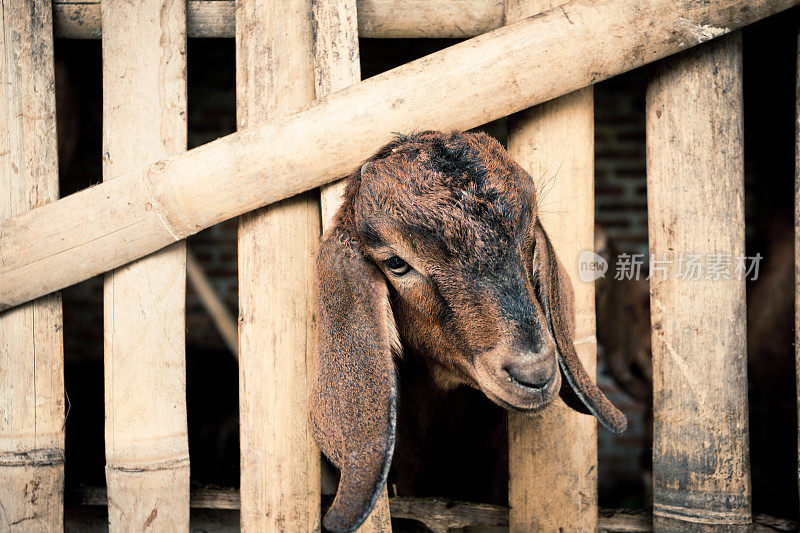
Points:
(459, 192)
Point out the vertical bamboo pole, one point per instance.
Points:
(31, 344)
(280, 470)
(695, 195)
(553, 456)
(337, 66)
(797, 251)
(144, 119)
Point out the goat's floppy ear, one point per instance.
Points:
(577, 389)
(354, 395)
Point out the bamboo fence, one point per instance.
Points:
(154, 194)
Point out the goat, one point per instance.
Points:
(437, 250)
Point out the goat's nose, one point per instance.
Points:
(534, 375)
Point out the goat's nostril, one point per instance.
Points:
(533, 377)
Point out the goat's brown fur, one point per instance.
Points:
(486, 302)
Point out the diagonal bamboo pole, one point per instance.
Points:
(336, 67)
(31, 344)
(280, 464)
(144, 117)
(473, 82)
(695, 200)
(215, 307)
(554, 142)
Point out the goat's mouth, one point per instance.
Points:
(513, 394)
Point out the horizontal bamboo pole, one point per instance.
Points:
(31, 342)
(463, 86)
(80, 19)
(441, 513)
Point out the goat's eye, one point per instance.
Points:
(397, 265)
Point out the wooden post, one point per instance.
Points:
(144, 118)
(553, 456)
(695, 198)
(31, 344)
(471, 83)
(280, 469)
(797, 251)
(336, 67)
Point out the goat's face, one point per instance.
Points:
(453, 229)
(437, 249)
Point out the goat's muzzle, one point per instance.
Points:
(518, 379)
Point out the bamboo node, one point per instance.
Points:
(34, 458)
(176, 463)
(703, 516)
(154, 204)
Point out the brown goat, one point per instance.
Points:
(437, 251)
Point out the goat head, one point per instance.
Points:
(437, 249)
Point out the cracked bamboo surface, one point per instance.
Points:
(557, 449)
(473, 82)
(695, 198)
(144, 118)
(31, 343)
(336, 67)
(280, 464)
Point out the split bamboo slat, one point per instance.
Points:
(280, 463)
(31, 343)
(797, 252)
(695, 198)
(336, 67)
(471, 83)
(553, 456)
(144, 118)
(80, 19)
